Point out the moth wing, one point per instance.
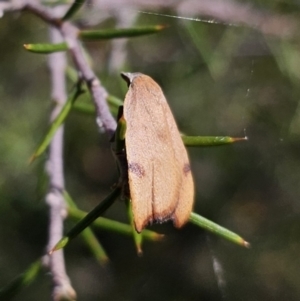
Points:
(186, 191)
(154, 176)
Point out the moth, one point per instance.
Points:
(159, 173)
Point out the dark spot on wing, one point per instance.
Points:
(136, 169)
(186, 169)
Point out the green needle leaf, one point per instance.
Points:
(89, 35)
(114, 101)
(88, 219)
(9, 291)
(46, 48)
(88, 236)
(84, 107)
(217, 229)
(77, 4)
(89, 108)
(56, 123)
(61, 244)
(114, 226)
(210, 140)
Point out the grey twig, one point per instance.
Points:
(57, 63)
(99, 94)
(70, 34)
(62, 289)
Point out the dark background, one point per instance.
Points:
(219, 80)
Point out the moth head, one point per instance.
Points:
(129, 77)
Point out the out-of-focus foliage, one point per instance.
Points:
(219, 80)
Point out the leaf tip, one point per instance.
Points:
(240, 139)
(246, 244)
(104, 260)
(161, 27)
(61, 244)
(139, 251)
(31, 159)
(158, 237)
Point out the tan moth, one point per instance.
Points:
(160, 180)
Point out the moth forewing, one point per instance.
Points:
(186, 200)
(161, 185)
(186, 193)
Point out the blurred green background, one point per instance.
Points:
(219, 80)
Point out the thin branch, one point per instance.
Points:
(105, 120)
(57, 63)
(62, 289)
